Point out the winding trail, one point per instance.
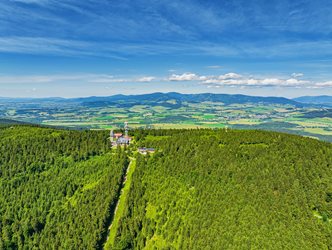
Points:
(120, 205)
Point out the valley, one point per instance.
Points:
(165, 125)
(174, 110)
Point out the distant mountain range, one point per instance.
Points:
(160, 97)
(5, 122)
(178, 98)
(324, 100)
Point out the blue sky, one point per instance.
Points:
(103, 47)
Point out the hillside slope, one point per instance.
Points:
(322, 100)
(202, 189)
(9, 122)
(229, 190)
(57, 188)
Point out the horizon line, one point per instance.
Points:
(158, 92)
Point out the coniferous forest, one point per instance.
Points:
(201, 189)
(207, 189)
(57, 188)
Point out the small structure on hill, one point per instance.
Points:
(144, 150)
(118, 139)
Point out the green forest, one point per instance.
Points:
(57, 187)
(208, 189)
(201, 189)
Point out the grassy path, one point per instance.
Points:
(120, 205)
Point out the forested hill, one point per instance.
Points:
(57, 187)
(196, 98)
(209, 189)
(155, 98)
(9, 122)
(201, 189)
(323, 100)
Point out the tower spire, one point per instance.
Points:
(126, 128)
(112, 135)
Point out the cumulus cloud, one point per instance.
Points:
(234, 79)
(324, 84)
(184, 77)
(229, 76)
(230, 79)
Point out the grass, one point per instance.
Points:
(108, 117)
(209, 116)
(159, 109)
(120, 206)
(139, 108)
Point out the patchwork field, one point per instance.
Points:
(167, 112)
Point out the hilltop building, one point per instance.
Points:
(120, 139)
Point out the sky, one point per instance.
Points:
(74, 48)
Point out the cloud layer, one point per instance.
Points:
(234, 79)
(230, 79)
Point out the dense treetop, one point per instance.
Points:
(209, 189)
(57, 187)
(201, 189)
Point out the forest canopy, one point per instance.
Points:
(57, 187)
(232, 189)
(201, 189)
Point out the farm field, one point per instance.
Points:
(165, 112)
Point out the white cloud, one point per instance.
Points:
(233, 79)
(252, 81)
(146, 79)
(270, 81)
(184, 77)
(50, 46)
(211, 81)
(296, 82)
(324, 84)
(229, 76)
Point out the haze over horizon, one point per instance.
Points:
(69, 48)
(151, 93)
